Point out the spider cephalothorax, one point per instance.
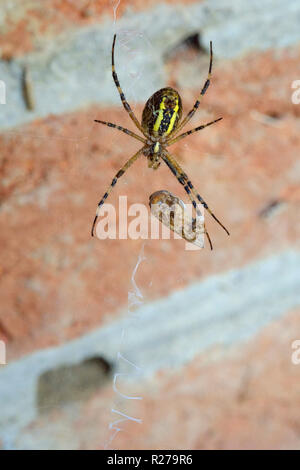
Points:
(161, 121)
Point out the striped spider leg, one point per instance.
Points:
(191, 113)
(175, 164)
(122, 96)
(114, 181)
(188, 187)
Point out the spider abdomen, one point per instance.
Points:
(162, 112)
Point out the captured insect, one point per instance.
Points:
(171, 211)
(161, 122)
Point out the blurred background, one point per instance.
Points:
(132, 344)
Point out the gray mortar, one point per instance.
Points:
(226, 309)
(73, 70)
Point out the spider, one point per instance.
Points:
(161, 122)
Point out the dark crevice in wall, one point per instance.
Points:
(72, 383)
(191, 42)
(271, 208)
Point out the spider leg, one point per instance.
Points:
(199, 128)
(122, 96)
(173, 162)
(120, 128)
(183, 179)
(191, 113)
(114, 181)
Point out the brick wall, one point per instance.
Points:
(209, 347)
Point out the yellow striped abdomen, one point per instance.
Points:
(162, 112)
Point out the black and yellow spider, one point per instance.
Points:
(161, 121)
